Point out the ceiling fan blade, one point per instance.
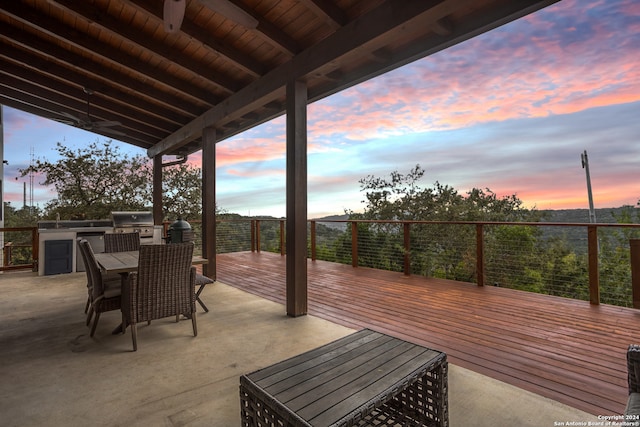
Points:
(107, 123)
(70, 116)
(173, 14)
(64, 121)
(232, 12)
(113, 132)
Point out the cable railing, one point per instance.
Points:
(590, 262)
(599, 263)
(20, 248)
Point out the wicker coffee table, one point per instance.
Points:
(364, 379)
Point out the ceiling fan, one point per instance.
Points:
(174, 13)
(88, 124)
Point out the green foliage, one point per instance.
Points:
(182, 192)
(436, 250)
(94, 181)
(18, 243)
(536, 259)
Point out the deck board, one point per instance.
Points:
(563, 349)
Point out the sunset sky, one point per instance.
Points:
(511, 110)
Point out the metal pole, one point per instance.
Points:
(585, 166)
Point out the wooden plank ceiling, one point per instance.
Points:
(158, 89)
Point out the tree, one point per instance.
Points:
(27, 216)
(436, 249)
(94, 181)
(182, 192)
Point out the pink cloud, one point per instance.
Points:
(551, 73)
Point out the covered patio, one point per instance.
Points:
(181, 79)
(175, 93)
(54, 374)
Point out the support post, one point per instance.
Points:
(209, 201)
(157, 190)
(296, 108)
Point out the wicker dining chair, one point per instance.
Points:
(121, 242)
(89, 287)
(163, 286)
(104, 293)
(201, 279)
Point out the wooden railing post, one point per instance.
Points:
(7, 254)
(594, 276)
(282, 246)
(480, 254)
(634, 246)
(354, 244)
(253, 235)
(407, 249)
(258, 235)
(35, 248)
(313, 240)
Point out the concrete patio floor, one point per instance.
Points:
(53, 374)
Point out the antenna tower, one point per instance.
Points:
(31, 177)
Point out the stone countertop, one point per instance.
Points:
(76, 230)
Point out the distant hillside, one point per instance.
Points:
(603, 216)
(334, 225)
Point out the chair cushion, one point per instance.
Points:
(202, 279)
(112, 287)
(633, 404)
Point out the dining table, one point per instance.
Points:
(127, 262)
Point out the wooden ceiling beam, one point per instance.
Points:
(117, 58)
(57, 55)
(443, 27)
(244, 62)
(133, 35)
(66, 99)
(360, 37)
(276, 38)
(43, 108)
(57, 71)
(270, 33)
(331, 14)
(374, 24)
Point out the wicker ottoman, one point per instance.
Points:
(364, 379)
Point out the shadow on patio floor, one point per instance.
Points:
(53, 374)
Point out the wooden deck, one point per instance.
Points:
(566, 350)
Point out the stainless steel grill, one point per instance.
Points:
(129, 222)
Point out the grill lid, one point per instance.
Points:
(132, 219)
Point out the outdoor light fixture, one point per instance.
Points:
(173, 15)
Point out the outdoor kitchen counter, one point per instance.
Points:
(63, 234)
(60, 238)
